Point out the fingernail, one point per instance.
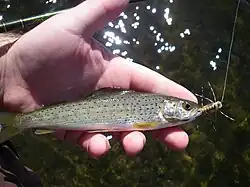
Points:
(143, 139)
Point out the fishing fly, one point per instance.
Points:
(216, 105)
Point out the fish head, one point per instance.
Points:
(179, 110)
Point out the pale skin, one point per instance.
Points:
(60, 60)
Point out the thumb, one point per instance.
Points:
(91, 15)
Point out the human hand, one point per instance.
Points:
(60, 60)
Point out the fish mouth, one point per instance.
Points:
(199, 113)
(192, 118)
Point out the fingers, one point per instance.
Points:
(174, 137)
(95, 144)
(133, 142)
(124, 74)
(145, 79)
(91, 15)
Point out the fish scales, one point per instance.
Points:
(106, 110)
(119, 110)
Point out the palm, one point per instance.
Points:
(47, 66)
(57, 66)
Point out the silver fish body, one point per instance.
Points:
(113, 110)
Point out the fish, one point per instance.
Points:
(105, 110)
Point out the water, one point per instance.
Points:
(187, 41)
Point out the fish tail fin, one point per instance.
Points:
(8, 128)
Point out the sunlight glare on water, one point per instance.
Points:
(118, 33)
(213, 64)
(109, 137)
(51, 1)
(120, 27)
(161, 45)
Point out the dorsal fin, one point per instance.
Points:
(109, 90)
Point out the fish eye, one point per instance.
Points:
(186, 106)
